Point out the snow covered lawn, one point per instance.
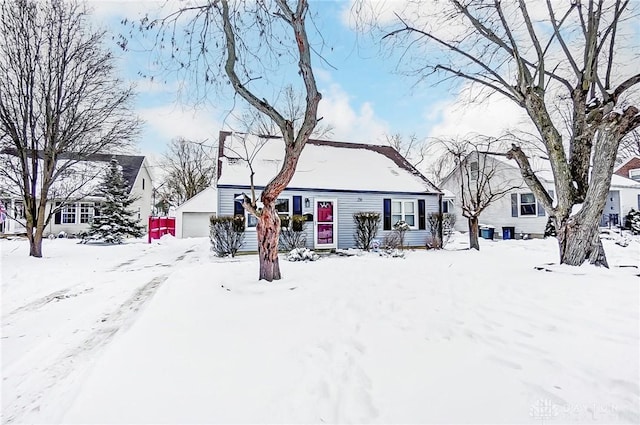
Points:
(451, 336)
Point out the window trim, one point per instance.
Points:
(449, 204)
(247, 214)
(474, 174)
(403, 214)
(66, 214)
(88, 213)
(535, 205)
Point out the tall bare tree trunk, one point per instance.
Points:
(580, 242)
(268, 233)
(473, 233)
(35, 227)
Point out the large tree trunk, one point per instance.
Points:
(579, 242)
(473, 233)
(268, 232)
(35, 240)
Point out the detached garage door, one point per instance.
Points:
(195, 224)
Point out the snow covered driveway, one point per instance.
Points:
(60, 311)
(438, 337)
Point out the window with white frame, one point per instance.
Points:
(86, 212)
(528, 204)
(18, 210)
(404, 210)
(69, 214)
(634, 174)
(474, 168)
(283, 207)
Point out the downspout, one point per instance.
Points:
(441, 219)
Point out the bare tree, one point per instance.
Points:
(190, 168)
(478, 179)
(629, 146)
(59, 103)
(411, 148)
(253, 38)
(292, 105)
(541, 55)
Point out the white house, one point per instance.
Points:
(77, 212)
(192, 217)
(630, 169)
(333, 180)
(518, 212)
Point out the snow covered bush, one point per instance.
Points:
(292, 237)
(115, 220)
(390, 241)
(367, 224)
(400, 228)
(393, 253)
(302, 254)
(632, 221)
(226, 234)
(437, 221)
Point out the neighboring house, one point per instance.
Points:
(76, 216)
(629, 169)
(519, 210)
(192, 217)
(333, 180)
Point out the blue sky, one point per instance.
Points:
(363, 97)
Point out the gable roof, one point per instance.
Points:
(545, 175)
(98, 162)
(323, 164)
(630, 164)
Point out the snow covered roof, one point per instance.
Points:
(616, 180)
(205, 201)
(543, 171)
(323, 164)
(85, 175)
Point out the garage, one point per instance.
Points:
(195, 224)
(192, 217)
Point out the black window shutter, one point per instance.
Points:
(386, 222)
(238, 209)
(58, 217)
(422, 224)
(514, 205)
(297, 205)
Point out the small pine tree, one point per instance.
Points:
(632, 221)
(550, 229)
(115, 220)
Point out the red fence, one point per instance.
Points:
(160, 226)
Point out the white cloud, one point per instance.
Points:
(164, 123)
(361, 125)
(147, 86)
(460, 117)
(105, 9)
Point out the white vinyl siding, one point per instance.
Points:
(348, 203)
